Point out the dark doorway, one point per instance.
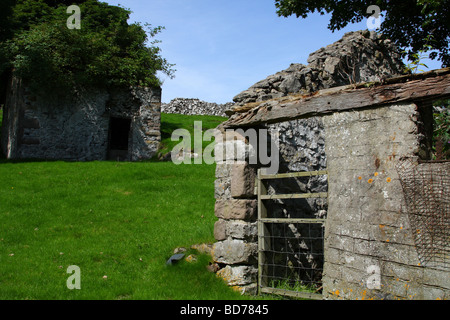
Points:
(119, 131)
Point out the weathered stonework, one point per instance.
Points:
(359, 134)
(301, 143)
(236, 209)
(368, 231)
(242, 181)
(235, 251)
(369, 246)
(236, 230)
(239, 276)
(195, 107)
(80, 127)
(360, 56)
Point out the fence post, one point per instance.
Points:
(263, 244)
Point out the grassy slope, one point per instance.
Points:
(1, 121)
(120, 220)
(171, 122)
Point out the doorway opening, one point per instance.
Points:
(119, 134)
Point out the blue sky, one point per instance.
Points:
(222, 47)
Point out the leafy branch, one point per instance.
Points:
(417, 57)
(441, 133)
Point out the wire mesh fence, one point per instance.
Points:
(293, 262)
(291, 239)
(426, 186)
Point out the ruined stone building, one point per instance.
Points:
(91, 125)
(355, 133)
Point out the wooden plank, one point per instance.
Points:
(263, 241)
(295, 294)
(261, 257)
(292, 220)
(263, 245)
(293, 97)
(264, 237)
(345, 99)
(294, 196)
(293, 175)
(262, 192)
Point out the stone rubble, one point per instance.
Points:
(195, 107)
(361, 56)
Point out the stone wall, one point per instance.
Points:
(195, 107)
(369, 249)
(78, 127)
(301, 146)
(369, 246)
(358, 57)
(236, 229)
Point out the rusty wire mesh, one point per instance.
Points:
(426, 186)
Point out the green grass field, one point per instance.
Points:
(171, 122)
(118, 222)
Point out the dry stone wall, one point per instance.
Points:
(195, 107)
(236, 209)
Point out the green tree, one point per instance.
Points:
(408, 23)
(6, 27)
(441, 134)
(106, 51)
(6, 9)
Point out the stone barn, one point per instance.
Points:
(357, 210)
(368, 220)
(97, 124)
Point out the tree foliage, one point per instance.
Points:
(106, 51)
(408, 23)
(441, 134)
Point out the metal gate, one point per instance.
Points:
(290, 249)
